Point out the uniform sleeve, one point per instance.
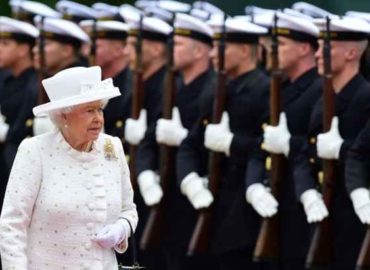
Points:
(128, 210)
(21, 194)
(256, 172)
(358, 161)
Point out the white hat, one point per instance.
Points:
(74, 86)
(142, 4)
(169, 5)
(237, 30)
(18, 30)
(186, 25)
(311, 10)
(75, 11)
(154, 11)
(105, 11)
(206, 6)
(254, 10)
(106, 29)
(297, 28)
(130, 13)
(357, 14)
(296, 13)
(152, 28)
(265, 19)
(200, 14)
(62, 30)
(26, 10)
(346, 28)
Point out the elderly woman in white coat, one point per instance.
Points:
(69, 200)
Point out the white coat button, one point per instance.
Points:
(91, 206)
(90, 226)
(87, 246)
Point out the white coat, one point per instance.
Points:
(57, 198)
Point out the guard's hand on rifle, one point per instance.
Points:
(314, 206)
(262, 200)
(276, 138)
(195, 189)
(135, 128)
(171, 132)
(112, 235)
(328, 144)
(150, 188)
(4, 128)
(218, 137)
(361, 203)
(42, 124)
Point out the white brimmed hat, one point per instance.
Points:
(18, 30)
(189, 26)
(311, 10)
(26, 10)
(74, 86)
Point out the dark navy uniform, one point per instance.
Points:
(298, 99)
(118, 109)
(235, 224)
(352, 106)
(17, 98)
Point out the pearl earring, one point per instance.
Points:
(65, 126)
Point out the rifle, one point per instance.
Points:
(137, 98)
(320, 251)
(199, 241)
(267, 245)
(154, 227)
(42, 97)
(363, 261)
(92, 55)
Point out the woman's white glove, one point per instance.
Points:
(42, 124)
(361, 203)
(135, 128)
(4, 128)
(112, 235)
(314, 206)
(195, 189)
(262, 200)
(171, 131)
(150, 188)
(329, 143)
(276, 138)
(218, 137)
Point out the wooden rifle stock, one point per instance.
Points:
(92, 56)
(199, 242)
(267, 245)
(320, 251)
(42, 96)
(137, 100)
(363, 261)
(154, 227)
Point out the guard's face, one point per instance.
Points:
(109, 51)
(55, 54)
(264, 51)
(130, 51)
(288, 54)
(9, 53)
(183, 52)
(233, 57)
(338, 60)
(84, 122)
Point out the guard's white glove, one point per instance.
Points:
(112, 234)
(135, 128)
(218, 137)
(150, 188)
(329, 143)
(361, 203)
(4, 128)
(171, 132)
(314, 206)
(195, 189)
(276, 138)
(42, 124)
(262, 200)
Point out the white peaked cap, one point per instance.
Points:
(130, 13)
(70, 8)
(105, 10)
(34, 8)
(187, 25)
(153, 11)
(10, 25)
(311, 10)
(358, 14)
(62, 27)
(206, 6)
(200, 14)
(107, 29)
(296, 13)
(74, 86)
(297, 24)
(174, 6)
(254, 10)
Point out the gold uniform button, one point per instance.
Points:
(312, 160)
(205, 121)
(119, 124)
(263, 147)
(29, 122)
(264, 125)
(268, 164)
(312, 140)
(320, 176)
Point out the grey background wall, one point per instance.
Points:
(234, 7)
